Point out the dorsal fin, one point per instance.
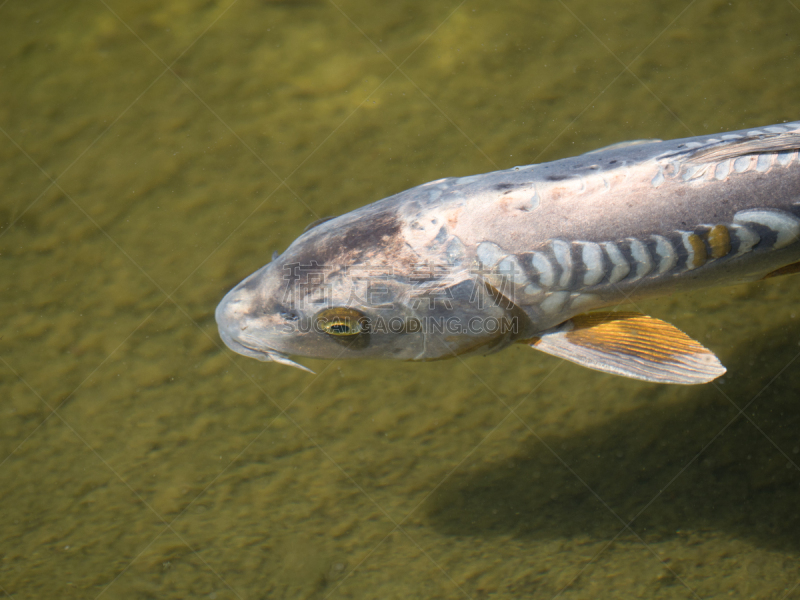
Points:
(317, 222)
(763, 144)
(620, 145)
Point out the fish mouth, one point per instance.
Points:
(262, 354)
(231, 312)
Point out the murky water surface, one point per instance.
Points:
(154, 153)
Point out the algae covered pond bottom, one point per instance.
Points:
(154, 154)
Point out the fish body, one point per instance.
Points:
(474, 264)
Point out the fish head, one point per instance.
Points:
(334, 293)
(369, 284)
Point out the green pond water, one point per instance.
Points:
(153, 154)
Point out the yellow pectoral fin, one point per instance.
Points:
(632, 345)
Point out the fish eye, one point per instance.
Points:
(342, 321)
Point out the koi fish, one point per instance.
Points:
(473, 264)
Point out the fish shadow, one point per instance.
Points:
(692, 465)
